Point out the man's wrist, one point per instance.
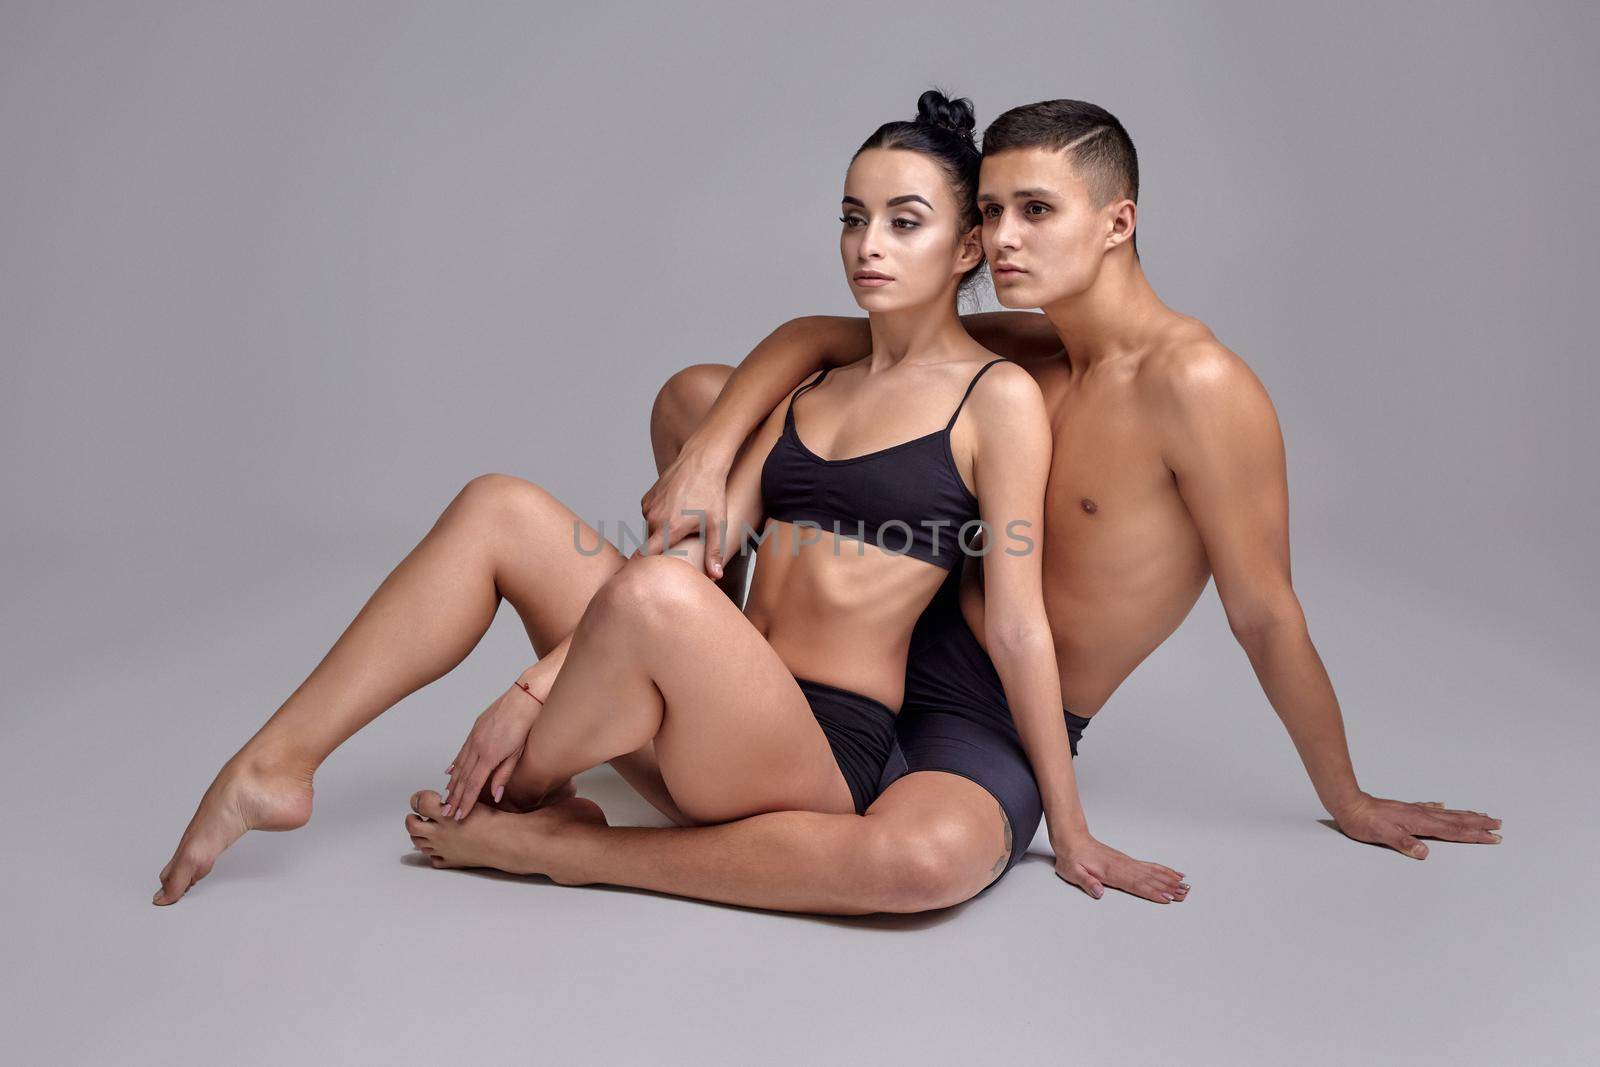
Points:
(708, 451)
(1347, 803)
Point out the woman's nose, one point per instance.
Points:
(871, 244)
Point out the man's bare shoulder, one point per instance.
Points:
(1188, 368)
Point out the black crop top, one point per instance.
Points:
(907, 499)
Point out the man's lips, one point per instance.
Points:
(1007, 270)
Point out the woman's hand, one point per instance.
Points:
(690, 491)
(493, 747)
(1091, 866)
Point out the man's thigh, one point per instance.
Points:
(948, 834)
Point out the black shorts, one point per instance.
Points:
(860, 731)
(956, 719)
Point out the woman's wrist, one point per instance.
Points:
(536, 683)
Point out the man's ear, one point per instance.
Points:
(1122, 221)
(970, 251)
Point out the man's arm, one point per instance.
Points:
(695, 481)
(1014, 334)
(1224, 445)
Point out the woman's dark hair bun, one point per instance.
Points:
(937, 109)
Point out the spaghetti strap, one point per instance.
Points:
(951, 424)
(788, 417)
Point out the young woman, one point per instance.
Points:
(803, 722)
(903, 452)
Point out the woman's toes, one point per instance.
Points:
(427, 803)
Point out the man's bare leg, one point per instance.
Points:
(500, 537)
(931, 840)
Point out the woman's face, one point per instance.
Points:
(902, 244)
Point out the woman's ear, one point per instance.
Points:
(969, 252)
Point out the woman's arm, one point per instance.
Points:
(1011, 466)
(1011, 469)
(696, 479)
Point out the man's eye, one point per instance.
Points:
(1042, 208)
(991, 211)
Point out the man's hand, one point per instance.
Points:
(1397, 824)
(692, 491)
(1091, 866)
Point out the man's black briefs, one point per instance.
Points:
(956, 719)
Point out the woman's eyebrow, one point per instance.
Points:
(897, 200)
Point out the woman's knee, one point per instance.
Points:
(938, 863)
(507, 498)
(651, 590)
(682, 403)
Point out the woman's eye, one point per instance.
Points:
(990, 211)
(851, 221)
(905, 224)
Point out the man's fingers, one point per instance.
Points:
(1472, 833)
(1410, 846)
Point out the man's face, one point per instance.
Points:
(1042, 231)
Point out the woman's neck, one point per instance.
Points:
(927, 334)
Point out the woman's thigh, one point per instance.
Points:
(736, 736)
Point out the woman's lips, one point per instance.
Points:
(872, 283)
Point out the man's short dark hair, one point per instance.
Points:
(1099, 149)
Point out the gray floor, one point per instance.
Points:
(139, 668)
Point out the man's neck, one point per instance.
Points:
(1112, 319)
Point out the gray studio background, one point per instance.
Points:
(276, 280)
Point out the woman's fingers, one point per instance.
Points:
(472, 789)
(452, 795)
(502, 775)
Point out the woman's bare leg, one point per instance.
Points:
(729, 743)
(500, 537)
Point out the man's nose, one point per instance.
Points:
(1004, 232)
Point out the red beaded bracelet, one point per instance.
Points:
(524, 687)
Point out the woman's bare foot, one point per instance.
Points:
(253, 791)
(518, 843)
(514, 801)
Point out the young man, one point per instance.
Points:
(1168, 470)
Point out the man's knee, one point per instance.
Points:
(683, 401)
(941, 861)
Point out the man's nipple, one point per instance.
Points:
(1089, 506)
